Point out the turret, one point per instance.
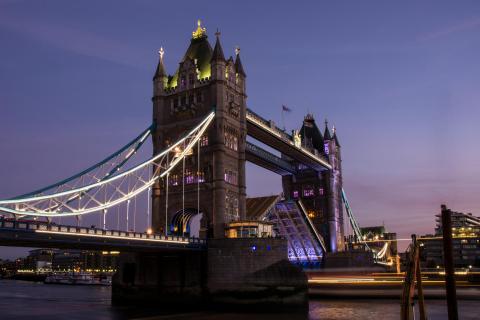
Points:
(160, 78)
(239, 72)
(218, 62)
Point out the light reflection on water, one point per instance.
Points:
(22, 300)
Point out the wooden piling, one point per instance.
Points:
(448, 262)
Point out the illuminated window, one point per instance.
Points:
(189, 176)
(320, 191)
(308, 191)
(231, 206)
(231, 141)
(295, 194)
(326, 148)
(204, 141)
(173, 180)
(301, 166)
(201, 176)
(231, 176)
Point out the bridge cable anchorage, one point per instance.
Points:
(71, 197)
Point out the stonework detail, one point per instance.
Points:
(204, 81)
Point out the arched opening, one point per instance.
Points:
(187, 222)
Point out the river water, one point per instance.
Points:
(30, 300)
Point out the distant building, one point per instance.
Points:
(466, 242)
(39, 260)
(81, 260)
(380, 241)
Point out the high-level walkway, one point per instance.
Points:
(266, 132)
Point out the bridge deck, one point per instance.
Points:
(39, 234)
(265, 132)
(268, 160)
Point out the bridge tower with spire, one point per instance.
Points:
(320, 192)
(204, 80)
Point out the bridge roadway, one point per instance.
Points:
(268, 160)
(266, 132)
(35, 234)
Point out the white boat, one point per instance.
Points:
(80, 278)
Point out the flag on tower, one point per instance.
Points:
(285, 108)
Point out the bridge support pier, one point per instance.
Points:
(254, 273)
(242, 273)
(168, 280)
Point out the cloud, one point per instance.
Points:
(463, 26)
(76, 41)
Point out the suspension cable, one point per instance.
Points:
(128, 205)
(118, 217)
(134, 213)
(148, 210)
(166, 200)
(104, 219)
(44, 205)
(183, 193)
(198, 177)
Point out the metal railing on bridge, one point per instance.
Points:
(285, 138)
(269, 157)
(43, 227)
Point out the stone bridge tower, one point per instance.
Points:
(204, 81)
(320, 192)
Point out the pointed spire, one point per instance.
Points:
(160, 72)
(326, 134)
(218, 51)
(335, 136)
(238, 63)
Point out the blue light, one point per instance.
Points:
(254, 248)
(268, 248)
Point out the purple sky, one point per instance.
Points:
(400, 81)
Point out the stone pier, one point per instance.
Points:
(242, 273)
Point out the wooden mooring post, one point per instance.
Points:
(412, 274)
(448, 262)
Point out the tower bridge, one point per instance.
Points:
(197, 175)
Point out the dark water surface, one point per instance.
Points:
(29, 300)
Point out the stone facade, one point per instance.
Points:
(320, 192)
(204, 81)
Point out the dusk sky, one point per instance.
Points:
(399, 80)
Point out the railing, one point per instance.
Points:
(44, 227)
(264, 154)
(268, 126)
